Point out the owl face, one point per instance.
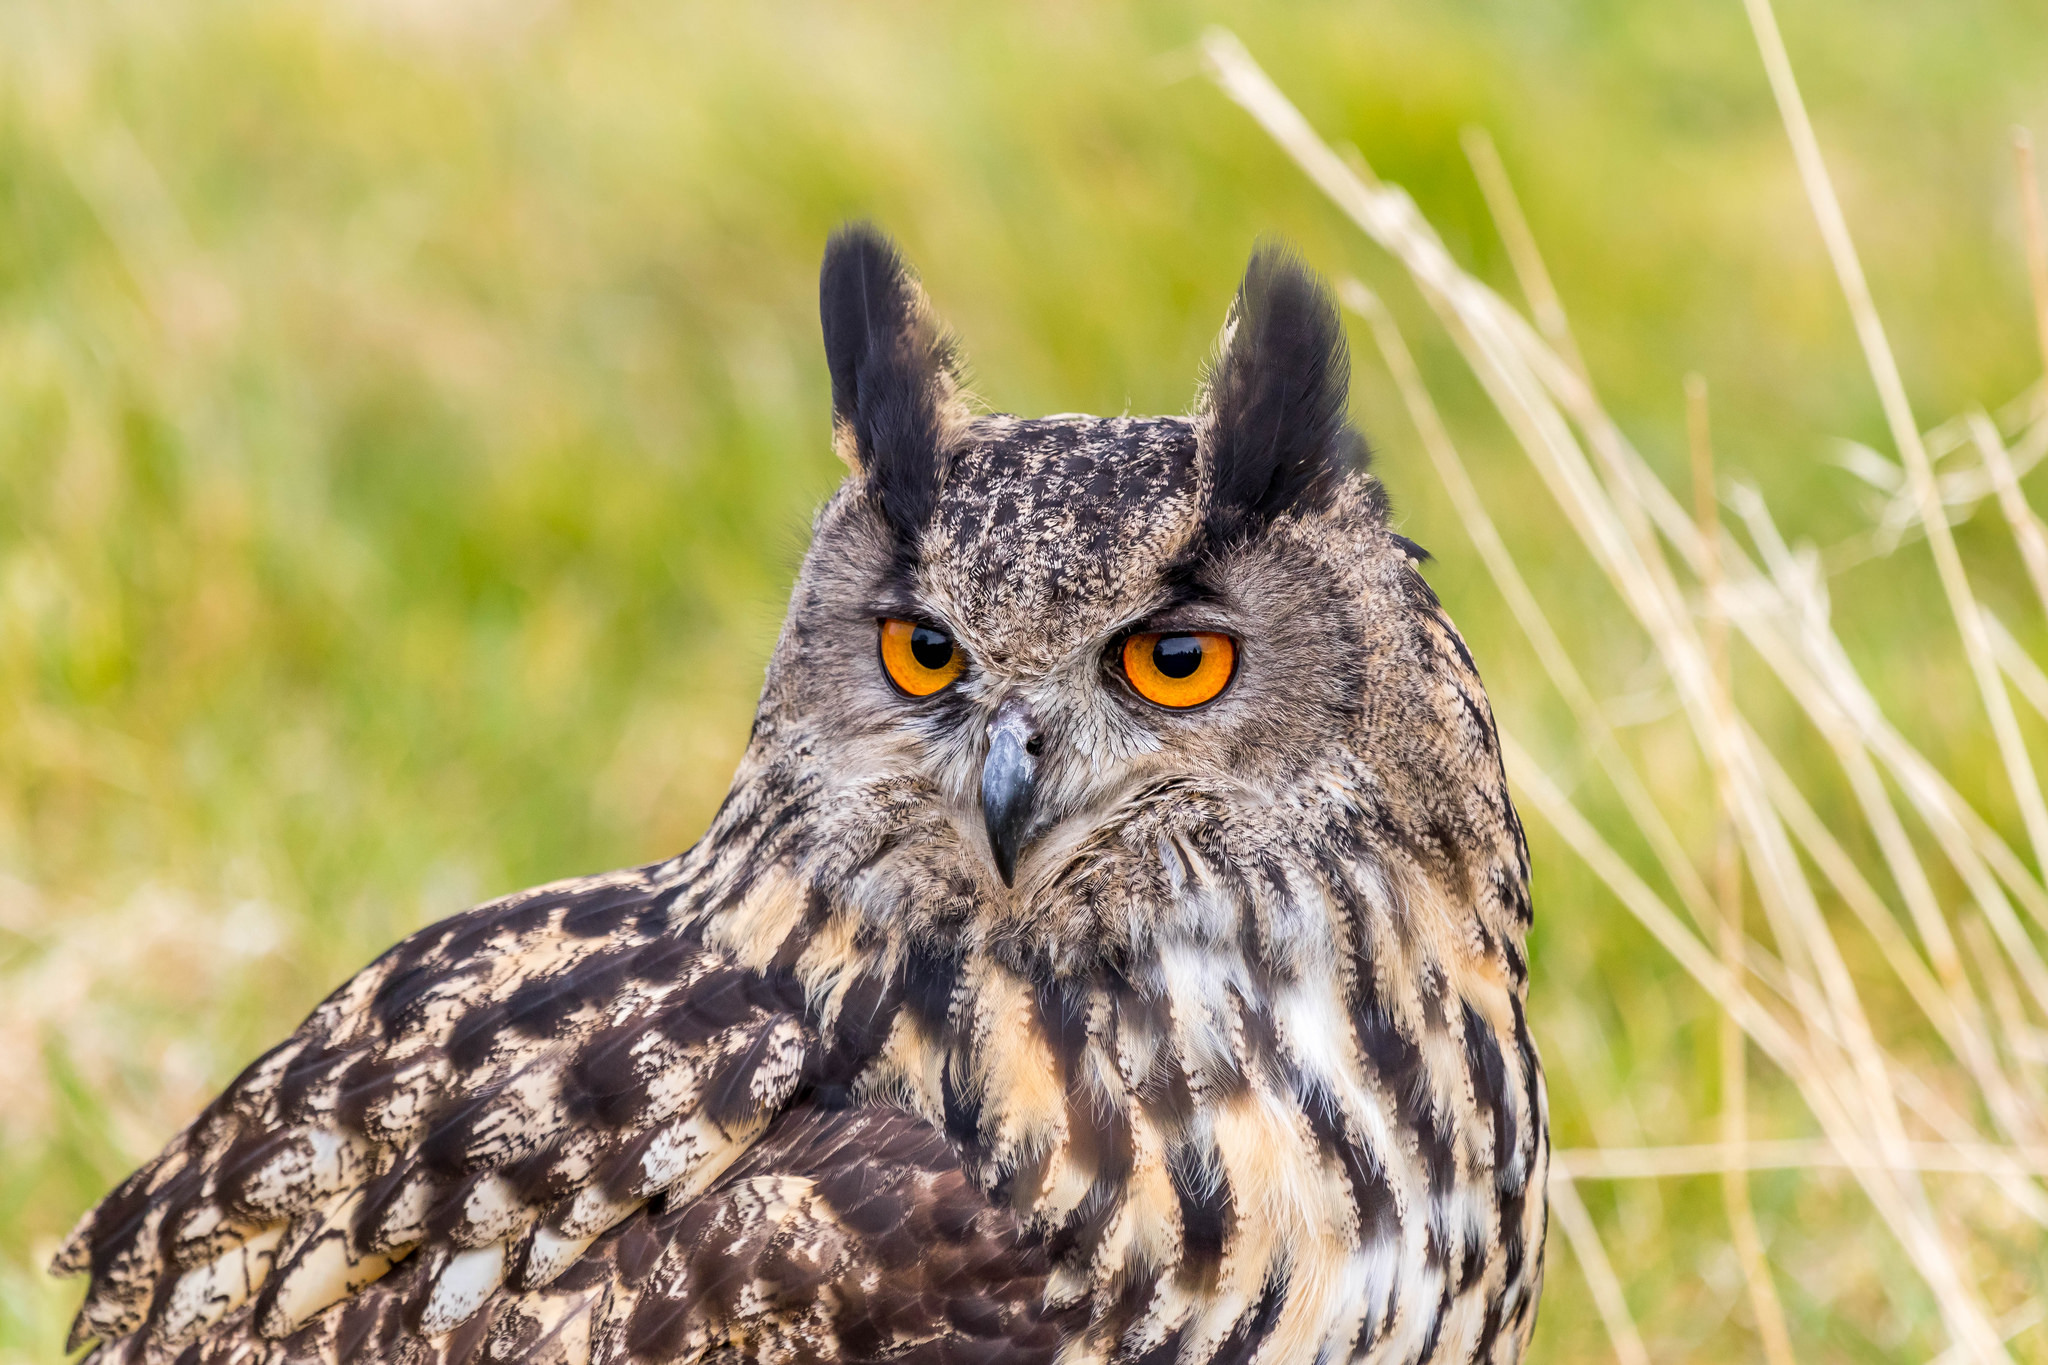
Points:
(1028, 654)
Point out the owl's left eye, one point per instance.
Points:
(919, 659)
(1179, 670)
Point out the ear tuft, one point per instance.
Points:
(896, 407)
(1273, 410)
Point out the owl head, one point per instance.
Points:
(1045, 680)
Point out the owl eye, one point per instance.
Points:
(919, 659)
(1179, 670)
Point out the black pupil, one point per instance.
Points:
(932, 649)
(1177, 656)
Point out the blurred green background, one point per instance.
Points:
(410, 412)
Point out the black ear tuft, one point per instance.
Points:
(1273, 414)
(895, 401)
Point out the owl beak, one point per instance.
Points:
(1009, 781)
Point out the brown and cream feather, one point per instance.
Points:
(1232, 1065)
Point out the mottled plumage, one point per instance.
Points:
(1231, 1065)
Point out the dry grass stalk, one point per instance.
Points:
(1570, 1212)
(1796, 999)
(1748, 1238)
(2024, 422)
(1812, 665)
(1544, 305)
(2025, 675)
(1676, 1160)
(1949, 1005)
(2036, 232)
(2027, 531)
(2027, 1315)
(1891, 390)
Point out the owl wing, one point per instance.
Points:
(840, 1236)
(481, 1105)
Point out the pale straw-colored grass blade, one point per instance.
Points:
(2026, 675)
(1544, 304)
(1681, 1160)
(1891, 389)
(1570, 1212)
(2036, 232)
(1728, 896)
(2027, 531)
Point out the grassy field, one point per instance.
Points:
(410, 413)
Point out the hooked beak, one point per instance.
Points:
(1009, 781)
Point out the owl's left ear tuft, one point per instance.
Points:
(1272, 414)
(896, 404)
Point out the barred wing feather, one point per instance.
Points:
(462, 1122)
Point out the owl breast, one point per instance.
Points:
(1253, 1139)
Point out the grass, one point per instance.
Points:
(409, 416)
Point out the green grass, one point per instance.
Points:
(408, 428)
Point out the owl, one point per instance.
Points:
(1112, 949)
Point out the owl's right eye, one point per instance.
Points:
(919, 659)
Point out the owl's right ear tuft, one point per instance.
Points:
(896, 405)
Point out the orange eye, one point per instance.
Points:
(918, 659)
(1179, 671)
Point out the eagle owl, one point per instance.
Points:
(1111, 949)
